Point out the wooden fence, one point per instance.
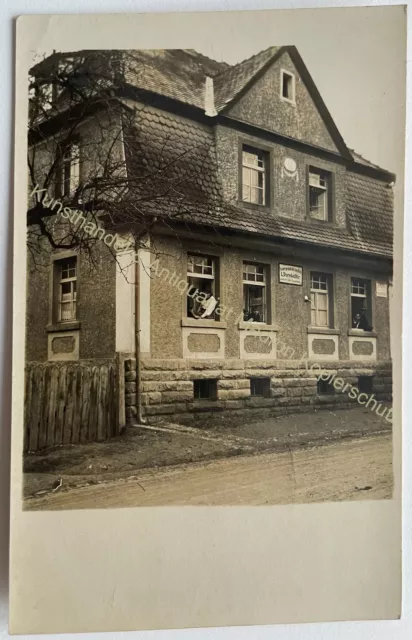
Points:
(69, 403)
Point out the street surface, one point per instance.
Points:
(344, 470)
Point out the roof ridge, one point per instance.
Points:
(232, 67)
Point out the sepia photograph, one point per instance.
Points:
(209, 282)
(207, 319)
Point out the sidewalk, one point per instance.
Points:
(172, 444)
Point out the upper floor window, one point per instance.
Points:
(66, 271)
(320, 299)
(255, 292)
(361, 307)
(287, 86)
(254, 176)
(202, 296)
(320, 196)
(68, 171)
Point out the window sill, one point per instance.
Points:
(203, 323)
(362, 333)
(73, 325)
(257, 326)
(324, 330)
(252, 205)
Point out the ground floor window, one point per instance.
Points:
(320, 299)
(255, 292)
(361, 307)
(202, 294)
(324, 387)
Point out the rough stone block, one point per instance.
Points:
(233, 404)
(130, 399)
(205, 364)
(131, 414)
(177, 396)
(294, 391)
(130, 376)
(156, 364)
(151, 398)
(159, 409)
(277, 392)
(130, 365)
(130, 387)
(233, 394)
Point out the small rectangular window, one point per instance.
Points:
(361, 307)
(287, 82)
(67, 289)
(254, 176)
(365, 384)
(319, 194)
(201, 295)
(260, 387)
(320, 299)
(254, 292)
(205, 389)
(324, 387)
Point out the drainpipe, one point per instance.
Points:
(140, 418)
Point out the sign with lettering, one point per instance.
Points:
(381, 290)
(290, 274)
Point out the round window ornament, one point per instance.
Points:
(290, 165)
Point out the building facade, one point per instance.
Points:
(269, 247)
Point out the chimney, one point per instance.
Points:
(210, 98)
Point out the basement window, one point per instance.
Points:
(324, 387)
(205, 389)
(287, 86)
(260, 387)
(365, 384)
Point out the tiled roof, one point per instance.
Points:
(229, 83)
(174, 162)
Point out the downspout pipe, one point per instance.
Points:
(140, 418)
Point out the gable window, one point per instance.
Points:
(320, 197)
(361, 307)
(66, 273)
(68, 172)
(254, 176)
(320, 299)
(287, 86)
(254, 292)
(202, 296)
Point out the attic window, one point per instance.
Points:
(287, 86)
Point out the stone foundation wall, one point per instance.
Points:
(167, 387)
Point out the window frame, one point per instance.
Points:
(267, 155)
(324, 293)
(367, 297)
(264, 284)
(54, 316)
(213, 278)
(212, 382)
(329, 189)
(67, 182)
(285, 72)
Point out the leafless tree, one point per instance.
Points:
(80, 104)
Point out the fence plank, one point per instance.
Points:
(35, 411)
(52, 404)
(70, 400)
(85, 401)
(77, 405)
(44, 401)
(61, 401)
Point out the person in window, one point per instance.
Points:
(206, 306)
(360, 321)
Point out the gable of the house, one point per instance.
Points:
(277, 99)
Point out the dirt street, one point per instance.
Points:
(345, 470)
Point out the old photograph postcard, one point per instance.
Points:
(208, 278)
